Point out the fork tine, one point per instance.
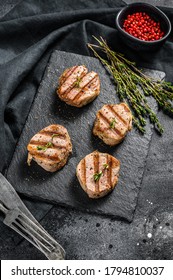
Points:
(13, 226)
(29, 229)
(39, 231)
(33, 232)
(55, 254)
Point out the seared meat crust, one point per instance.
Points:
(50, 147)
(77, 86)
(98, 174)
(112, 123)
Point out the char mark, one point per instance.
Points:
(117, 115)
(64, 94)
(115, 130)
(80, 93)
(42, 143)
(51, 133)
(109, 173)
(96, 170)
(84, 171)
(69, 72)
(43, 156)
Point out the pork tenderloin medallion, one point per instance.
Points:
(98, 174)
(77, 86)
(50, 147)
(112, 123)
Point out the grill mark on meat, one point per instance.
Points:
(80, 88)
(96, 170)
(110, 170)
(54, 156)
(111, 108)
(69, 72)
(83, 88)
(103, 181)
(112, 123)
(38, 143)
(43, 143)
(94, 163)
(57, 146)
(84, 170)
(64, 94)
(115, 130)
(126, 108)
(50, 133)
(42, 156)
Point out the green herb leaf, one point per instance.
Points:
(49, 144)
(40, 148)
(77, 83)
(112, 123)
(97, 176)
(45, 147)
(106, 166)
(54, 135)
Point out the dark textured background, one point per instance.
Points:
(86, 236)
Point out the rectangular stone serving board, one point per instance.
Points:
(62, 187)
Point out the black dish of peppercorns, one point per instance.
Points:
(142, 26)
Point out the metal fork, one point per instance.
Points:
(26, 226)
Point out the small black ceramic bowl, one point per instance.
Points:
(155, 13)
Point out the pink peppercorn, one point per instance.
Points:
(143, 27)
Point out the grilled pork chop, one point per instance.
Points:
(78, 87)
(112, 123)
(50, 147)
(98, 174)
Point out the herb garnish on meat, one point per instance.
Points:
(45, 147)
(48, 145)
(112, 123)
(106, 166)
(77, 83)
(97, 176)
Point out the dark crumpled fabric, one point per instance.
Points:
(30, 32)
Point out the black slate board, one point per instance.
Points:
(62, 187)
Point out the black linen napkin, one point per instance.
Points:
(28, 35)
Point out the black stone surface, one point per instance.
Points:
(62, 187)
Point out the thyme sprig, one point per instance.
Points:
(129, 81)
